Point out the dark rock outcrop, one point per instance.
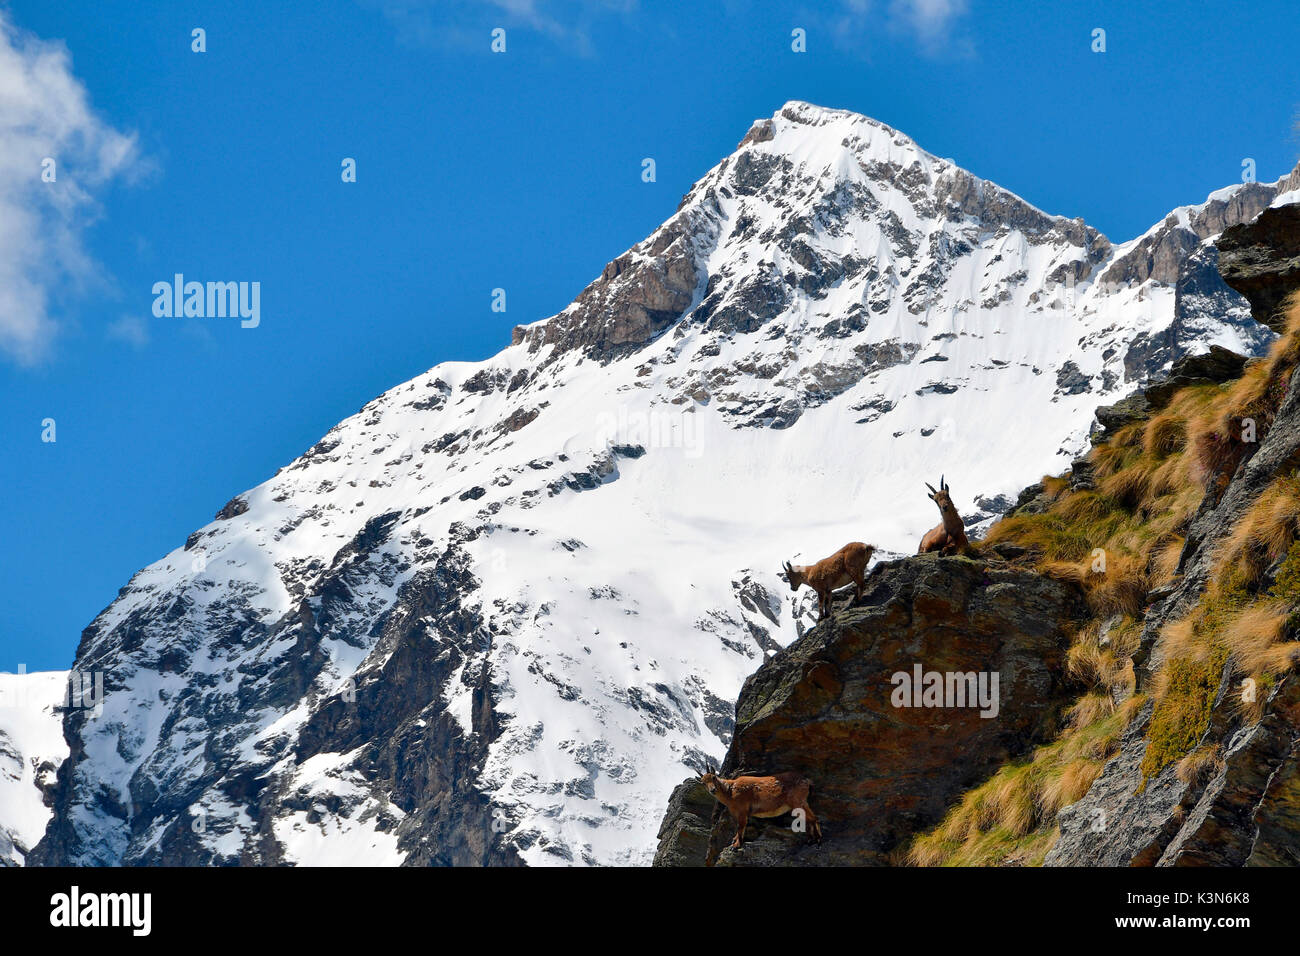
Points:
(1216, 366)
(687, 827)
(1261, 260)
(824, 707)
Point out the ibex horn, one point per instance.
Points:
(931, 487)
(943, 484)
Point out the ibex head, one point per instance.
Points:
(710, 779)
(941, 497)
(793, 575)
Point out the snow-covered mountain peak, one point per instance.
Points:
(491, 617)
(812, 202)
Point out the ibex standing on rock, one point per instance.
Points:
(848, 565)
(949, 535)
(763, 797)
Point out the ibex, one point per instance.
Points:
(763, 797)
(845, 566)
(949, 535)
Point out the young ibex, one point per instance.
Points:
(763, 797)
(845, 566)
(949, 535)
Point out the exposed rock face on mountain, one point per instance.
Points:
(1261, 259)
(828, 706)
(494, 615)
(1160, 253)
(1216, 366)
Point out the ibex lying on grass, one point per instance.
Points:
(845, 566)
(763, 797)
(949, 535)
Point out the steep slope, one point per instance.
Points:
(489, 618)
(1206, 772)
(1181, 748)
(31, 748)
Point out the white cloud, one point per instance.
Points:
(934, 24)
(45, 113)
(930, 20)
(130, 329)
(464, 24)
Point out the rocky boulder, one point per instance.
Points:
(831, 706)
(1216, 366)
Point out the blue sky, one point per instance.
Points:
(474, 171)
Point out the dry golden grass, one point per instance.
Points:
(1259, 652)
(1111, 583)
(1054, 486)
(1263, 535)
(1222, 438)
(1089, 708)
(1068, 786)
(1106, 667)
(1220, 446)
(1164, 434)
(1165, 555)
(1129, 487)
(1254, 638)
(1181, 639)
(1199, 765)
(1112, 456)
(1150, 477)
(1083, 661)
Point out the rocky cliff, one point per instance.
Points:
(884, 767)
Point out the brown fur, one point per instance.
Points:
(949, 535)
(763, 797)
(848, 565)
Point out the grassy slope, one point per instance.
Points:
(1120, 540)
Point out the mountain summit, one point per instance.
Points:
(492, 617)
